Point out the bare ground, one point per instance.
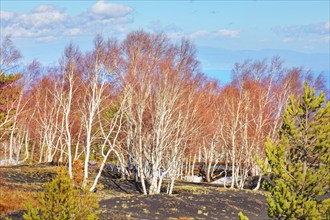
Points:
(121, 199)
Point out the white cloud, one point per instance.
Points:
(200, 33)
(327, 25)
(6, 15)
(73, 32)
(215, 34)
(105, 10)
(321, 39)
(47, 22)
(176, 35)
(228, 33)
(316, 33)
(43, 16)
(297, 31)
(43, 8)
(41, 22)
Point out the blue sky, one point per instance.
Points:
(224, 32)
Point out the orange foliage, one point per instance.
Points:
(78, 172)
(14, 199)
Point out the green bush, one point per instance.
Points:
(241, 216)
(63, 202)
(300, 160)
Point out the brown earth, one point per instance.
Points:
(121, 199)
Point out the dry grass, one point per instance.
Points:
(14, 199)
(191, 189)
(19, 185)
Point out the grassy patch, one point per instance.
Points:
(14, 199)
(191, 189)
(20, 184)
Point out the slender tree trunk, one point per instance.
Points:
(160, 184)
(153, 183)
(193, 165)
(99, 173)
(32, 153)
(144, 188)
(171, 186)
(11, 142)
(258, 183)
(87, 155)
(41, 150)
(26, 143)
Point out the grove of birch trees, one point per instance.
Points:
(144, 101)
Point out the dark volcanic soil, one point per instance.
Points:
(214, 204)
(121, 199)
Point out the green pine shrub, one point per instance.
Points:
(61, 201)
(300, 160)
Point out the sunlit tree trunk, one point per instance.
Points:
(110, 133)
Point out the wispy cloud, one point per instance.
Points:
(327, 25)
(309, 35)
(223, 33)
(6, 15)
(200, 33)
(228, 33)
(47, 22)
(300, 31)
(158, 26)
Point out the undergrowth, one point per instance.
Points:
(14, 199)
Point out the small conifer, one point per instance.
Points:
(300, 160)
(63, 202)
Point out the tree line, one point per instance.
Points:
(145, 101)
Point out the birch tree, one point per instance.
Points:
(65, 94)
(97, 77)
(110, 122)
(48, 118)
(9, 92)
(155, 73)
(139, 62)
